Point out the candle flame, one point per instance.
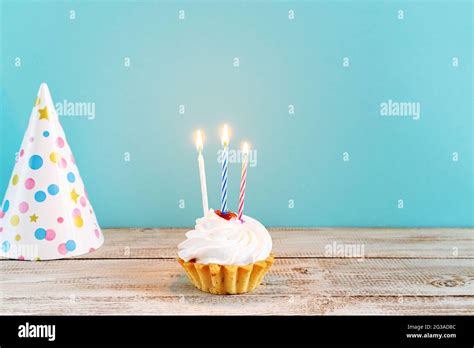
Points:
(225, 136)
(245, 148)
(199, 140)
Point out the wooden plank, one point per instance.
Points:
(397, 243)
(293, 286)
(248, 305)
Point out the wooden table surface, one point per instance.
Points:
(403, 271)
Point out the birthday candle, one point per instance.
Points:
(243, 180)
(202, 172)
(225, 159)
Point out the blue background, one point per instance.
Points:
(282, 62)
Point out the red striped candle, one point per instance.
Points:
(243, 180)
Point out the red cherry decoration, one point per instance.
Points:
(227, 215)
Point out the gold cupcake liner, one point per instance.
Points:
(227, 279)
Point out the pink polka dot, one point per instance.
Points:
(29, 183)
(60, 220)
(1, 229)
(23, 207)
(76, 212)
(62, 249)
(91, 249)
(97, 233)
(50, 234)
(22, 258)
(60, 142)
(63, 163)
(73, 160)
(82, 200)
(22, 152)
(32, 139)
(2, 214)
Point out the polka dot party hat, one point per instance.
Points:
(46, 213)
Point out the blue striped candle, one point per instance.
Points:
(225, 162)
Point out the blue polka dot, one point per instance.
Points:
(40, 234)
(5, 246)
(70, 245)
(6, 205)
(40, 196)
(46, 134)
(71, 177)
(53, 189)
(36, 162)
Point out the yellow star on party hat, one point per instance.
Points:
(46, 213)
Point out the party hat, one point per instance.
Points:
(46, 213)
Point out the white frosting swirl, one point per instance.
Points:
(226, 242)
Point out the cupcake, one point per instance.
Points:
(224, 255)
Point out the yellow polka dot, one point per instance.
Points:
(17, 237)
(15, 220)
(15, 180)
(78, 221)
(53, 157)
(37, 258)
